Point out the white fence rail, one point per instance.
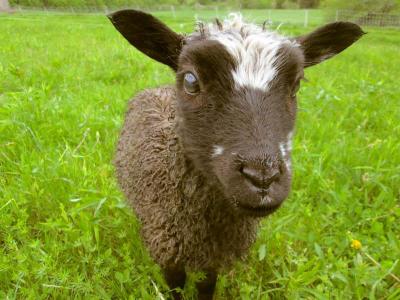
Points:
(273, 16)
(300, 17)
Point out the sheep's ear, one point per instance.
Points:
(328, 41)
(149, 35)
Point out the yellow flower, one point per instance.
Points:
(356, 244)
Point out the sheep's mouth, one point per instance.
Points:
(257, 211)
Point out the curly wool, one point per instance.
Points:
(185, 221)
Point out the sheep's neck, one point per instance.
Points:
(222, 234)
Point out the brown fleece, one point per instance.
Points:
(184, 220)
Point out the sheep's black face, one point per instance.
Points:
(237, 87)
(236, 131)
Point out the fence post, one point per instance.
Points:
(306, 18)
(337, 15)
(269, 15)
(173, 11)
(216, 11)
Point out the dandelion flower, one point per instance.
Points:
(356, 244)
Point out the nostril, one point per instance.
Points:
(260, 178)
(253, 175)
(273, 177)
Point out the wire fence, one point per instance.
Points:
(302, 17)
(368, 18)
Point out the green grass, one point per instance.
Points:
(66, 232)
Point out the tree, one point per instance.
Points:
(308, 3)
(4, 5)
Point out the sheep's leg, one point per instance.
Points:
(175, 278)
(206, 287)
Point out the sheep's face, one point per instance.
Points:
(236, 98)
(237, 121)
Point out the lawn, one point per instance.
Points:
(66, 232)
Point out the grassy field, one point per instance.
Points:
(66, 232)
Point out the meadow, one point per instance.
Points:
(66, 231)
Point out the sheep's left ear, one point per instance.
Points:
(149, 35)
(328, 41)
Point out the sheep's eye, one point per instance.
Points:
(191, 84)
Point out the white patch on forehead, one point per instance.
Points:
(217, 150)
(256, 51)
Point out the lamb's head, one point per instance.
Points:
(236, 85)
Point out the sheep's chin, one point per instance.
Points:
(255, 211)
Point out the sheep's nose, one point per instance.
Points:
(260, 176)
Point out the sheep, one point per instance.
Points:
(203, 161)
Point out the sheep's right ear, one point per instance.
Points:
(149, 35)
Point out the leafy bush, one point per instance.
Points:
(93, 3)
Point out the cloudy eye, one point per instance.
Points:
(190, 83)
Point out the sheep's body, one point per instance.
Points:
(184, 220)
(203, 161)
